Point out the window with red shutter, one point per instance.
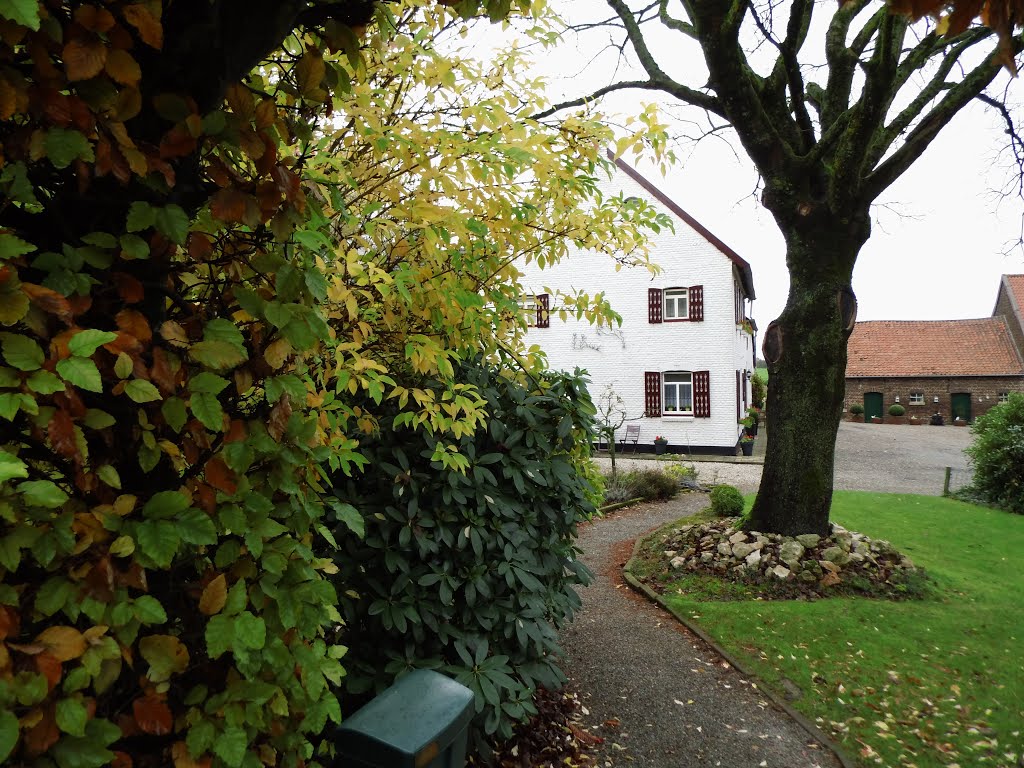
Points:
(696, 303)
(702, 394)
(654, 305)
(543, 315)
(739, 384)
(652, 393)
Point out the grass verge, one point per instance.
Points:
(932, 682)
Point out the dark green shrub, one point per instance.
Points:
(856, 409)
(998, 455)
(897, 410)
(726, 501)
(470, 572)
(759, 389)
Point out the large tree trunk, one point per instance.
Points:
(805, 349)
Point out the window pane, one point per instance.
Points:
(686, 397)
(671, 402)
(677, 377)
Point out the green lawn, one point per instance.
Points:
(761, 373)
(935, 682)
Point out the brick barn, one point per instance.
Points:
(958, 368)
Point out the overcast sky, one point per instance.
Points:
(939, 240)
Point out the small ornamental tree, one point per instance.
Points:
(997, 455)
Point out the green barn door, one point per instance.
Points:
(960, 405)
(872, 405)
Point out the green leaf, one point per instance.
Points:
(8, 733)
(84, 343)
(89, 751)
(141, 391)
(100, 240)
(277, 314)
(250, 301)
(53, 595)
(172, 222)
(220, 635)
(174, 412)
(42, 493)
(220, 329)
(250, 630)
(148, 610)
(15, 177)
(134, 247)
(196, 527)
(217, 355)
(45, 383)
(207, 409)
(11, 247)
(164, 505)
(140, 216)
(210, 383)
(349, 515)
(63, 146)
(109, 475)
(9, 378)
(21, 352)
(123, 366)
(26, 13)
(231, 746)
(11, 467)
(158, 540)
(97, 419)
(82, 372)
(10, 404)
(72, 716)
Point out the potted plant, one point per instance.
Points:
(897, 414)
(914, 421)
(876, 420)
(856, 412)
(747, 445)
(660, 444)
(959, 421)
(754, 417)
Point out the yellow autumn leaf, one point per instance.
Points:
(64, 643)
(214, 596)
(166, 656)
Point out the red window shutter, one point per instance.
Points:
(745, 388)
(652, 393)
(697, 303)
(702, 394)
(543, 315)
(739, 384)
(654, 305)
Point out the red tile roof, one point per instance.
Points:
(932, 348)
(1015, 283)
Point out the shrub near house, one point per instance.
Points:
(997, 455)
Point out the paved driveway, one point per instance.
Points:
(869, 457)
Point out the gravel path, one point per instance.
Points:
(677, 704)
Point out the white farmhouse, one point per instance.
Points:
(683, 357)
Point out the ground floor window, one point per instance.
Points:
(917, 398)
(1004, 397)
(678, 397)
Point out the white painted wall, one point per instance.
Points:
(621, 355)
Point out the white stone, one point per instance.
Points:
(740, 551)
(791, 552)
(754, 558)
(809, 540)
(737, 537)
(678, 562)
(780, 571)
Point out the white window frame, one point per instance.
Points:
(672, 298)
(681, 387)
(1003, 397)
(916, 398)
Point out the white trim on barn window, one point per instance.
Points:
(677, 393)
(676, 303)
(916, 398)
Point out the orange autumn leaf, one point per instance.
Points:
(61, 433)
(9, 622)
(128, 288)
(236, 432)
(182, 758)
(229, 205)
(65, 643)
(84, 57)
(93, 18)
(161, 373)
(42, 735)
(48, 300)
(49, 666)
(135, 323)
(123, 68)
(148, 26)
(121, 760)
(153, 715)
(220, 477)
(214, 596)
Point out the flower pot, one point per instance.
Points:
(876, 419)
(959, 423)
(660, 446)
(747, 448)
(896, 420)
